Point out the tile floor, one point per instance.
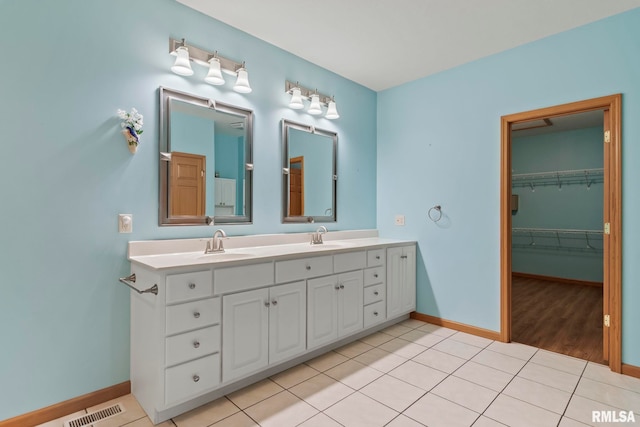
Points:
(417, 374)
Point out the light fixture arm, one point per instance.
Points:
(202, 57)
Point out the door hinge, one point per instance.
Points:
(607, 228)
(607, 320)
(607, 136)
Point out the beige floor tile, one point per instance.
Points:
(377, 339)
(603, 374)
(396, 330)
(541, 395)
(321, 391)
(239, 419)
(254, 393)
(458, 349)
(471, 339)
(381, 360)
(353, 374)
(609, 395)
(394, 393)
(465, 393)
(439, 360)
(516, 413)
(354, 349)
(520, 351)
(435, 411)
(568, 422)
(359, 410)
(560, 362)
(423, 338)
(402, 348)
(282, 410)
(326, 361)
(133, 411)
(207, 414)
(145, 422)
(549, 376)
(295, 375)
(404, 421)
(59, 422)
(581, 409)
(320, 420)
(487, 422)
(484, 376)
(499, 361)
(437, 330)
(412, 323)
(418, 375)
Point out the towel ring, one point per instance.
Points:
(437, 215)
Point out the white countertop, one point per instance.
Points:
(158, 255)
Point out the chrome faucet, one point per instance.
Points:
(316, 238)
(215, 245)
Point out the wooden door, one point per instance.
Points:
(287, 321)
(187, 184)
(296, 186)
(350, 302)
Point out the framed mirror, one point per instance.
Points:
(309, 179)
(205, 161)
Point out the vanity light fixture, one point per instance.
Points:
(216, 64)
(299, 93)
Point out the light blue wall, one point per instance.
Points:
(570, 206)
(66, 173)
(230, 161)
(439, 143)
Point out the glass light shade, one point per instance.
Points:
(315, 108)
(296, 99)
(332, 111)
(242, 83)
(214, 76)
(182, 65)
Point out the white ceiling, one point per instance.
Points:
(384, 43)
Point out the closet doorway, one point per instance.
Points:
(561, 246)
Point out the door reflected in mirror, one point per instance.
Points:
(309, 173)
(205, 161)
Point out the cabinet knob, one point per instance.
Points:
(403, 256)
(192, 285)
(196, 314)
(308, 267)
(274, 302)
(375, 275)
(376, 293)
(375, 313)
(337, 287)
(196, 378)
(377, 256)
(267, 303)
(341, 286)
(196, 344)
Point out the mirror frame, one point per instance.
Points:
(286, 218)
(166, 95)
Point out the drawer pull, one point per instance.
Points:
(375, 313)
(403, 256)
(267, 303)
(376, 293)
(375, 275)
(308, 267)
(274, 302)
(196, 344)
(192, 285)
(196, 314)
(196, 378)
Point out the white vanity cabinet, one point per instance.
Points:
(401, 280)
(375, 288)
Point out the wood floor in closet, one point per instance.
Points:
(559, 317)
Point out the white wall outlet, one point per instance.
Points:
(399, 219)
(125, 223)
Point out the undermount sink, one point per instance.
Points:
(224, 256)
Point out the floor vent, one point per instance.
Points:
(94, 417)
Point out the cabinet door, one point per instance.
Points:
(350, 301)
(322, 310)
(245, 329)
(287, 321)
(401, 280)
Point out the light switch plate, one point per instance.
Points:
(399, 219)
(125, 223)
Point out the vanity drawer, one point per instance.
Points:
(192, 378)
(373, 276)
(189, 286)
(192, 315)
(374, 313)
(242, 278)
(375, 257)
(374, 294)
(191, 345)
(349, 261)
(298, 269)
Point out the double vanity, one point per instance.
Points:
(225, 319)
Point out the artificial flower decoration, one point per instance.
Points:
(131, 127)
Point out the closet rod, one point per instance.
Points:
(581, 173)
(555, 230)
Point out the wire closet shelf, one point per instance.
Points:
(558, 178)
(571, 240)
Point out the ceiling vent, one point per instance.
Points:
(96, 416)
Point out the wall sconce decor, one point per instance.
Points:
(299, 93)
(185, 54)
